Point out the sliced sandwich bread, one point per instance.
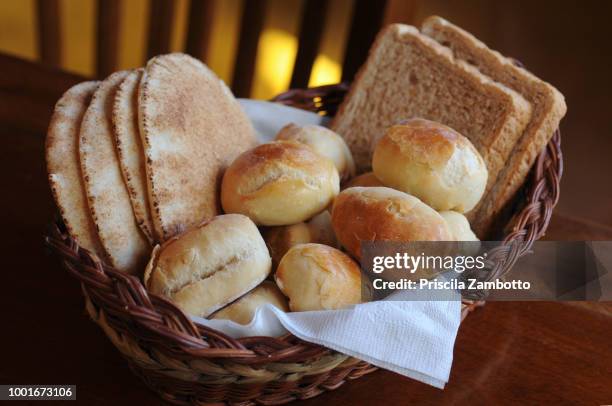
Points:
(548, 106)
(407, 75)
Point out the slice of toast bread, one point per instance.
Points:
(548, 106)
(411, 75)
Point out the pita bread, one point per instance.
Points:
(130, 152)
(192, 127)
(62, 154)
(108, 198)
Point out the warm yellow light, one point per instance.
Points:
(224, 31)
(276, 55)
(179, 26)
(78, 19)
(133, 32)
(17, 28)
(325, 71)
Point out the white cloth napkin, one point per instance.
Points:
(412, 338)
(268, 118)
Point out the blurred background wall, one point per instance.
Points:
(276, 51)
(566, 42)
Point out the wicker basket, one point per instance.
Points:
(187, 364)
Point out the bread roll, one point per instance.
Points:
(365, 179)
(243, 310)
(459, 226)
(317, 230)
(325, 142)
(279, 183)
(318, 277)
(280, 239)
(321, 229)
(432, 162)
(209, 266)
(384, 214)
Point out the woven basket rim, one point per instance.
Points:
(160, 330)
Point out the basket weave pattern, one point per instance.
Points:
(190, 364)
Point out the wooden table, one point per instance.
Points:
(510, 352)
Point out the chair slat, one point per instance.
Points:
(199, 29)
(161, 19)
(250, 29)
(49, 41)
(311, 30)
(365, 24)
(107, 40)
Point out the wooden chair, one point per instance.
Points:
(367, 18)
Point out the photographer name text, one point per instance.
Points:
(452, 284)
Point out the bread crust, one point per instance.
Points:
(243, 310)
(210, 265)
(325, 142)
(191, 127)
(130, 151)
(316, 230)
(126, 247)
(63, 166)
(280, 239)
(548, 109)
(279, 183)
(432, 162)
(384, 214)
(459, 226)
(365, 179)
(318, 277)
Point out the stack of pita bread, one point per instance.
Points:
(136, 158)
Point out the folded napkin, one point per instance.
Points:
(412, 338)
(268, 118)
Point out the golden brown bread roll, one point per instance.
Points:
(365, 179)
(321, 229)
(281, 238)
(209, 266)
(459, 226)
(318, 277)
(279, 183)
(325, 142)
(432, 162)
(384, 214)
(243, 310)
(317, 230)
